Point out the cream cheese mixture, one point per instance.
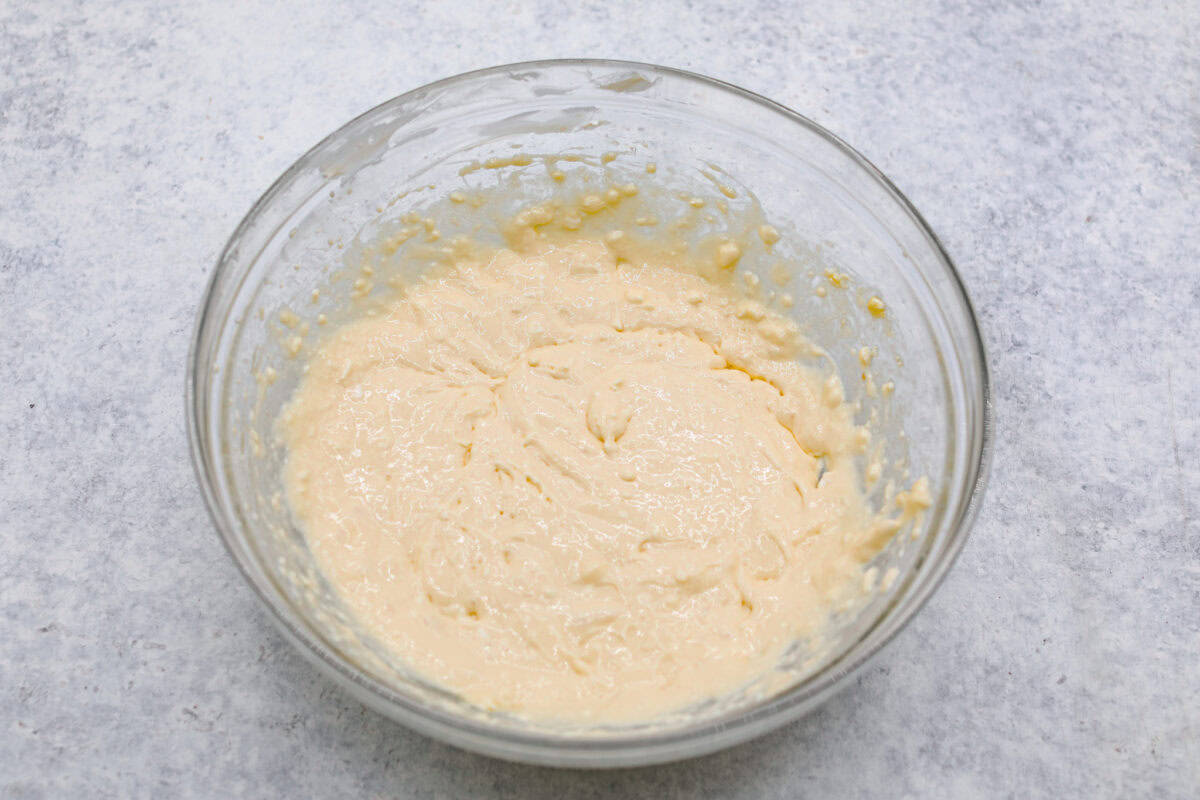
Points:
(573, 488)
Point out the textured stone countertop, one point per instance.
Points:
(1055, 150)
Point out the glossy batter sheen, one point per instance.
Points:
(571, 489)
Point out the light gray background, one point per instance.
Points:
(1056, 150)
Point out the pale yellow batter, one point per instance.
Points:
(574, 489)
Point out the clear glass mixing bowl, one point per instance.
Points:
(839, 215)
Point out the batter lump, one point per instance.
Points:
(571, 488)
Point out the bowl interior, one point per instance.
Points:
(847, 236)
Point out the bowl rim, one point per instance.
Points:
(625, 750)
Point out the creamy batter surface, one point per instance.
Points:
(571, 488)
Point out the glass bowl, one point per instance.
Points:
(851, 233)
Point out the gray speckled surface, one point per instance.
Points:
(1055, 150)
